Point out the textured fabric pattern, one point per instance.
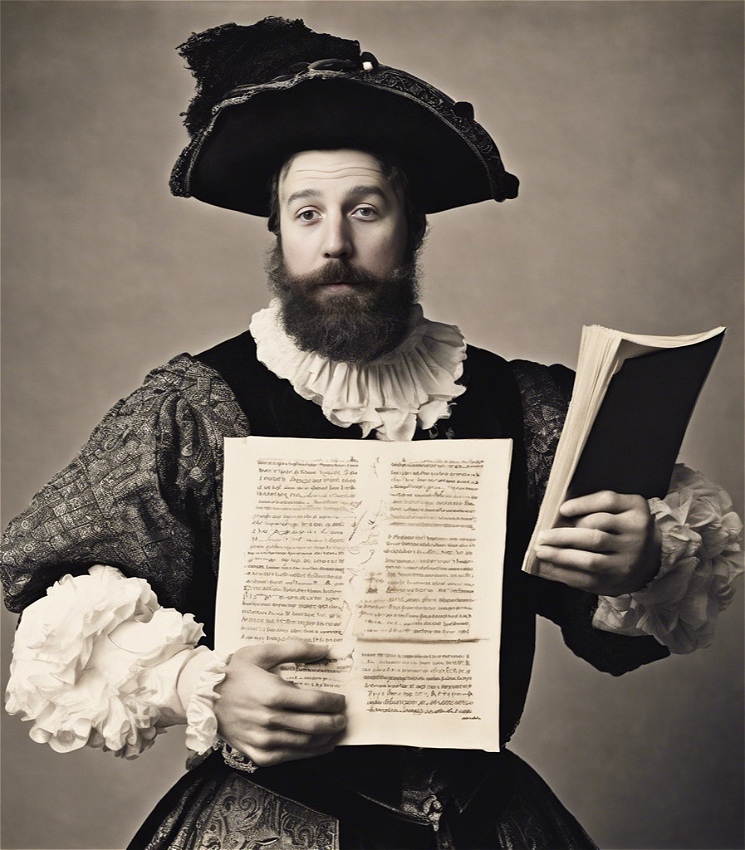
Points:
(545, 392)
(220, 809)
(143, 494)
(217, 808)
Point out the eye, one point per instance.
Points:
(307, 215)
(365, 213)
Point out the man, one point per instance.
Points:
(319, 363)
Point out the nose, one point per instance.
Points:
(337, 242)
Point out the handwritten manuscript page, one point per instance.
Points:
(392, 554)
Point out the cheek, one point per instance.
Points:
(387, 251)
(398, 239)
(295, 253)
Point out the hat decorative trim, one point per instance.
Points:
(386, 79)
(275, 88)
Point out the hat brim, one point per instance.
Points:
(234, 160)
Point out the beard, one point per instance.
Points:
(355, 327)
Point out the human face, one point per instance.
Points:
(338, 205)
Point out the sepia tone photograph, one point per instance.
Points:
(499, 244)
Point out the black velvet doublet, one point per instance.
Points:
(490, 408)
(410, 781)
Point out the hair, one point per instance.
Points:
(416, 220)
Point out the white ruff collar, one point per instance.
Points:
(413, 384)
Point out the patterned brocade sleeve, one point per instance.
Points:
(142, 495)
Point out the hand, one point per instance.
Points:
(269, 719)
(611, 547)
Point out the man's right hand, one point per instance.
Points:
(269, 719)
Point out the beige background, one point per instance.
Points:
(623, 121)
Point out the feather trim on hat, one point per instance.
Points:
(229, 55)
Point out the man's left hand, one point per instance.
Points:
(611, 547)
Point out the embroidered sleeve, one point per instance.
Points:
(545, 393)
(142, 495)
(701, 557)
(98, 662)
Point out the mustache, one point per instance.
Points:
(335, 271)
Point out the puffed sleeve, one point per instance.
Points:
(142, 496)
(98, 662)
(132, 522)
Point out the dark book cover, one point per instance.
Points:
(639, 428)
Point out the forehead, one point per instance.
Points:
(327, 170)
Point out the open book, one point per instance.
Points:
(632, 400)
(392, 553)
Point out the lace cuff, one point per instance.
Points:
(96, 662)
(201, 729)
(701, 557)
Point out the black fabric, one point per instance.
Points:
(249, 141)
(144, 494)
(229, 55)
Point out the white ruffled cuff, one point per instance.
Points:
(701, 557)
(96, 662)
(201, 729)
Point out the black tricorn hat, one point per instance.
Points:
(272, 89)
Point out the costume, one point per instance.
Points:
(115, 561)
(144, 497)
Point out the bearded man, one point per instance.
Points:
(115, 561)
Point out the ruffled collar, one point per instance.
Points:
(414, 384)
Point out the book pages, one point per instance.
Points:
(632, 400)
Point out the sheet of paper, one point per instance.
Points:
(390, 552)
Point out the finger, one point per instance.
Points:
(602, 521)
(269, 655)
(590, 539)
(269, 739)
(308, 724)
(267, 758)
(570, 560)
(604, 501)
(580, 579)
(289, 697)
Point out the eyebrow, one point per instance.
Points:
(303, 193)
(354, 192)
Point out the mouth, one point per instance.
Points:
(336, 286)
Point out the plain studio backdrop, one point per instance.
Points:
(623, 121)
